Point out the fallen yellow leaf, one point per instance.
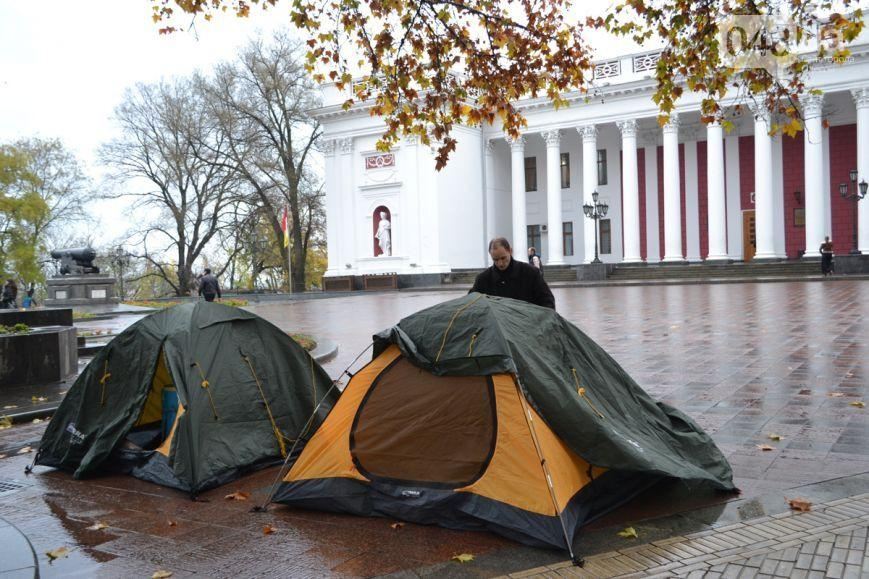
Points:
(836, 394)
(463, 558)
(57, 553)
(5, 422)
(37, 420)
(802, 505)
(172, 523)
(764, 447)
(237, 496)
(396, 526)
(268, 530)
(10, 406)
(25, 450)
(773, 436)
(161, 574)
(38, 398)
(628, 533)
(2, 456)
(97, 527)
(858, 404)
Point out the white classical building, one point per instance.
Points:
(685, 192)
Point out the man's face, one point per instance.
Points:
(500, 257)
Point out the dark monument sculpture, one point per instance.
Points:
(79, 281)
(76, 261)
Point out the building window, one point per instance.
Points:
(565, 170)
(534, 237)
(605, 236)
(601, 167)
(567, 237)
(531, 173)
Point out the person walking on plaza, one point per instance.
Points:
(535, 260)
(826, 250)
(512, 279)
(209, 288)
(28, 301)
(10, 295)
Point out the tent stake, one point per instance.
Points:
(577, 561)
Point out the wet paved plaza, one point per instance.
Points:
(744, 360)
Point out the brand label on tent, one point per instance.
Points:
(76, 437)
(411, 494)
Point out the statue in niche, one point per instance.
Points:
(383, 234)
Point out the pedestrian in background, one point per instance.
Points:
(826, 250)
(209, 288)
(9, 298)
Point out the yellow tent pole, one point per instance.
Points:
(278, 435)
(546, 474)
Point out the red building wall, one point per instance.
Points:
(641, 178)
(843, 158)
(746, 172)
(703, 198)
(793, 179)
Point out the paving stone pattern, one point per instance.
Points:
(828, 541)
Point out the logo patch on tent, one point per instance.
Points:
(411, 494)
(75, 437)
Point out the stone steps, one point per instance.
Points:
(551, 274)
(795, 269)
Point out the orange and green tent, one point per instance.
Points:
(490, 413)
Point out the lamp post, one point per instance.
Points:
(120, 259)
(596, 212)
(856, 195)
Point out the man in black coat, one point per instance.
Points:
(209, 286)
(512, 279)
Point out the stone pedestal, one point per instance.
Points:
(41, 356)
(81, 290)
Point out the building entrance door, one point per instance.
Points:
(749, 240)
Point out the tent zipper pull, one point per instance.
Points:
(471, 347)
(206, 386)
(583, 395)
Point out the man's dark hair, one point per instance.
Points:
(207, 271)
(499, 242)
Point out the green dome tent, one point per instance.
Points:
(245, 390)
(490, 413)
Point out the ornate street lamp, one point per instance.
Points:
(596, 212)
(120, 260)
(856, 195)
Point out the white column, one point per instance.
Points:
(589, 184)
(553, 196)
(734, 196)
(716, 210)
(429, 209)
(861, 99)
(333, 206)
(813, 140)
(520, 224)
(692, 200)
(630, 191)
(653, 243)
(763, 188)
(672, 195)
(411, 228)
(348, 230)
(489, 198)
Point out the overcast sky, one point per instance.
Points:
(64, 66)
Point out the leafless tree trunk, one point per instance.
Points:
(261, 101)
(171, 162)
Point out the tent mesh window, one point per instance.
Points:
(415, 427)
